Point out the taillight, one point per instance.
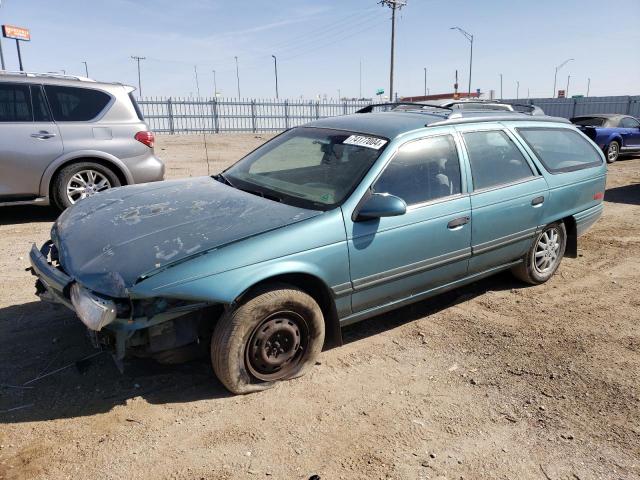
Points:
(145, 137)
(598, 196)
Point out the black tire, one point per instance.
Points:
(253, 326)
(528, 271)
(59, 186)
(613, 152)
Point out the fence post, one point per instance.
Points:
(214, 114)
(170, 111)
(344, 108)
(317, 109)
(573, 108)
(286, 114)
(253, 115)
(628, 105)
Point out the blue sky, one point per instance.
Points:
(320, 44)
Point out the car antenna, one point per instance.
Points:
(204, 130)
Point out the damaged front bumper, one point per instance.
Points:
(144, 325)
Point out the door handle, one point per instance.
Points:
(458, 223)
(43, 135)
(537, 201)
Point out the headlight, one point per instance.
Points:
(95, 312)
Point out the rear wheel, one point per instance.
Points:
(613, 152)
(544, 257)
(275, 334)
(81, 180)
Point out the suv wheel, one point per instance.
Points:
(81, 180)
(613, 151)
(275, 334)
(543, 258)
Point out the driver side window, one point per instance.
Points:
(422, 170)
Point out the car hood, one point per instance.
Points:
(108, 241)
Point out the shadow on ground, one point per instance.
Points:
(38, 338)
(27, 214)
(629, 194)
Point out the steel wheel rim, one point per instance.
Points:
(86, 183)
(276, 346)
(612, 154)
(547, 251)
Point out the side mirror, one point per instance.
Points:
(381, 205)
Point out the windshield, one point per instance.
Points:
(309, 167)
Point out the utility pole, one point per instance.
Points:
(425, 81)
(137, 59)
(517, 89)
(360, 89)
(393, 5)
(500, 86)
(566, 93)
(588, 85)
(275, 66)
(237, 76)
(86, 70)
(215, 86)
(195, 69)
(469, 37)
(1, 54)
(339, 95)
(555, 77)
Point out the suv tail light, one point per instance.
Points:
(145, 137)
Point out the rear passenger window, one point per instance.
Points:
(70, 104)
(422, 170)
(627, 122)
(40, 109)
(15, 103)
(495, 160)
(561, 149)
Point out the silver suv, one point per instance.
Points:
(65, 138)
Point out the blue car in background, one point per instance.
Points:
(615, 134)
(325, 225)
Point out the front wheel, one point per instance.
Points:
(613, 152)
(544, 257)
(276, 333)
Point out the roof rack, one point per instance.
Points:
(47, 74)
(369, 108)
(473, 117)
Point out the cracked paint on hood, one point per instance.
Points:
(108, 241)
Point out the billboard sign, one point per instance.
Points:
(19, 33)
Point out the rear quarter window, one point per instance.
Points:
(560, 149)
(70, 104)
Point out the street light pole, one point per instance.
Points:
(86, 70)
(555, 77)
(588, 85)
(275, 66)
(500, 86)
(517, 89)
(425, 81)
(567, 91)
(469, 37)
(237, 76)
(215, 86)
(137, 59)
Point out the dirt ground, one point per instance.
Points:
(494, 380)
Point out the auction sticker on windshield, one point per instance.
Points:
(364, 141)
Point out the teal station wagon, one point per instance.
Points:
(325, 225)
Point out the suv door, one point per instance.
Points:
(396, 257)
(29, 140)
(507, 201)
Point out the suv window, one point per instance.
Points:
(627, 122)
(561, 149)
(15, 103)
(495, 159)
(40, 108)
(422, 170)
(70, 104)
